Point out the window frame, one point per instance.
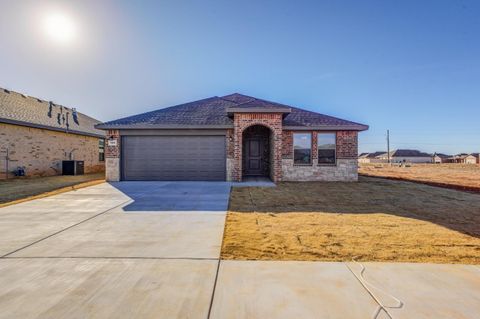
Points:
(100, 148)
(335, 150)
(293, 149)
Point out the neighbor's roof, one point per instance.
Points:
(371, 155)
(409, 153)
(442, 155)
(19, 109)
(215, 112)
(463, 155)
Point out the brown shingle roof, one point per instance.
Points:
(214, 113)
(19, 109)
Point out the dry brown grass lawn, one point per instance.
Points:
(17, 190)
(463, 175)
(372, 220)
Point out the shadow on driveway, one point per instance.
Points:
(175, 196)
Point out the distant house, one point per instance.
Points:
(407, 156)
(464, 158)
(371, 157)
(38, 135)
(477, 156)
(439, 158)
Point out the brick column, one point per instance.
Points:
(112, 156)
(347, 144)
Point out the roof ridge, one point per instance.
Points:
(237, 104)
(253, 99)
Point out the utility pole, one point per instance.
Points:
(388, 146)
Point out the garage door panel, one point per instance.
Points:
(173, 157)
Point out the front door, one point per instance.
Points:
(256, 156)
(253, 156)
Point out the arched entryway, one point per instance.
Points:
(256, 152)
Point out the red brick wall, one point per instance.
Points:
(112, 151)
(271, 120)
(347, 143)
(287, 144)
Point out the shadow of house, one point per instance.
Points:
(175, 196)
(455, 210)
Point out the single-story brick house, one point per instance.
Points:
(229, 138)
(38, 135)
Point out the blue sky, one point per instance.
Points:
(409, 66)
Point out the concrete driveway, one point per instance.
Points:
(121, 250)
(151, 249)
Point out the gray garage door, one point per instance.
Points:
(170, 158)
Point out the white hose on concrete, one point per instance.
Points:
(381, 306)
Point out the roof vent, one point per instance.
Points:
(75, 116)
(50, 109)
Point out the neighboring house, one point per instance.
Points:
(477, 157)
(439, 158)
(229, 138)
(407, 156)
(463, 158)
(366, 158)
(38, 135)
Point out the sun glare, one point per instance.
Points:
(59, 27)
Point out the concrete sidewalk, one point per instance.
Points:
(149, 250)
(291, 289)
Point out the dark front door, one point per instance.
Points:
(254, 156)
(256, 152)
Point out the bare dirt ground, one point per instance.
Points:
(457, 176)
(372, 220)
(16, 189)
